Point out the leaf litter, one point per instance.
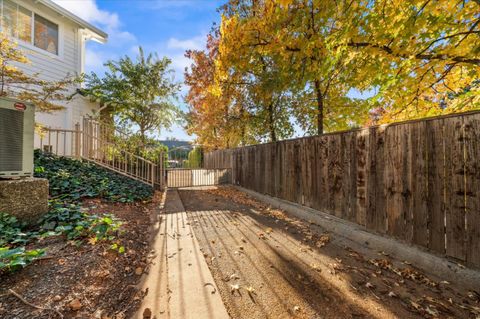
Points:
(384, 278)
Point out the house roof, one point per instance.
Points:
(95, 32)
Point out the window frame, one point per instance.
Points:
(31, 45)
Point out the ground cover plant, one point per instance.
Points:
(70, 181)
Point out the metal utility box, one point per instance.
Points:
(17, 125)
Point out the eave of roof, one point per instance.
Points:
(97, 33)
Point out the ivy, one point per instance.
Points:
(75, 223)
(11, 230)
(71, 180)
(11, 259)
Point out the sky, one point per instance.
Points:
(168, 27)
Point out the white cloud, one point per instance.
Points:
(94, 59)
(195, 43)
(89, 11)
(108, 21)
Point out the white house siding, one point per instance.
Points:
(52, 67)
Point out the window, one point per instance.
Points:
(24, 23)
(46, 34)
(17, 22)
(9, 15)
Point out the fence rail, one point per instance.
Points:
(417, 181)
(95, 141)
(188, 177)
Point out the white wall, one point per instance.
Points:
(55, 67)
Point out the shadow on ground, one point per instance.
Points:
(268, 265)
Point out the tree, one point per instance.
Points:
(14, 82)
(314, 73)
(217, 113)
(195, 158)
(416, 57)
(422, 56)
(414, 54)
(140, 91)
(266, 94)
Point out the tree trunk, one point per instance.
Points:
(319, 95)
(242, 127)
(271, 123)
(143, 138)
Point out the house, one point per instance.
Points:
(54, 41)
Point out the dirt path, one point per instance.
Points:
(268, 265)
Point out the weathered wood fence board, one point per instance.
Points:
(418, 181)
(472, 187)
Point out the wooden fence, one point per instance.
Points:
(96, 142)
(418, 181)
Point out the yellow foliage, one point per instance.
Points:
(15, 83)
(420, 58)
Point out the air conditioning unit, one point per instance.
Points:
(17, 124)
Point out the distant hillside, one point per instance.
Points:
(174, 144)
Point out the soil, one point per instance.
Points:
(269, 265)
(87, 281)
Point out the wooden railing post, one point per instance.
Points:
(153, 174)
(77, 141)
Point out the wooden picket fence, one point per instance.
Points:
(418, 181)
(98, 142)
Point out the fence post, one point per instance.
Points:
(161, 177)
(153, 174)
(77, 140)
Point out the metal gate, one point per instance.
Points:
(189, 177)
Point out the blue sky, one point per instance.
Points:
(168, 27)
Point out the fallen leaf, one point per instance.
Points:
(432, 311)
(251, 291)
(234, 276)
(147, 313)
(75, 304)
(235, 288)
(322, 241)
(316, 267)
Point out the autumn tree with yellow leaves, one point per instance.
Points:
(416, 58)
(217, 115)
